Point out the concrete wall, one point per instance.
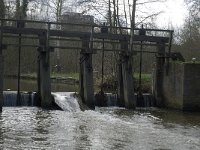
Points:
(173, 86)
(181, 86)
(191, 90)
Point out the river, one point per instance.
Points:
(31, 85)
(108, 128)
(103, 129)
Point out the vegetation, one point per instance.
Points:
(186, 39)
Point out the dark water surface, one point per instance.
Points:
(102, 129)
(31, 85)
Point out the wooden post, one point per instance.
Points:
(1, 68)
(127, 76)
(86, 74)
(44, 73)
(160, 60)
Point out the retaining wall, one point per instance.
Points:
(181, 86)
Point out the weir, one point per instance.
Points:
(126, 96)
(26, 99)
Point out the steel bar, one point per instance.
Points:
(75, 48)
(89, 25)
(19, 68)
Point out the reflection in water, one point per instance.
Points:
(31, 85)
(43, 121)
(105, 128)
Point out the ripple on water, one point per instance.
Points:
(105, 128)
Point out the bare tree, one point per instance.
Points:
(2, 9)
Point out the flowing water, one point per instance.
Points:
(102, 129)
(108, 128)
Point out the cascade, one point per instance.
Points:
(147, 100)
(10, 98)
(111, 99)
(66, 101)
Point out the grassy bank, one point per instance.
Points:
(110, 82)
(146, 82)
(53, 75)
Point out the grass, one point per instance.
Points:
(146, 82)
(144, 76)
(53, 75)
(65, 75)
(109, 81)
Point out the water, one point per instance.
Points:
(31, 85)
(26, 99)
(102, 129)
(105, 128)
(66, 101)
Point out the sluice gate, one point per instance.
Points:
(21, 29)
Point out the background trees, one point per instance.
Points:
(189, 35)
(116, 13)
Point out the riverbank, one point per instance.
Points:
(110, 82)
(71, 78)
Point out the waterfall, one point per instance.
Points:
(10, 98)
(66, 101)
(147, 100)
(111, 99)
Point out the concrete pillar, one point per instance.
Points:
(158, 89)
(1, 71)
(44, 72)
(120, 99)
(37, 97)
(127, 77)
(86, 75)
(81, 87)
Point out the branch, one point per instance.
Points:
(152, 1)
(153, 15)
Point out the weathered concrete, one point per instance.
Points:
(86, 75)
(1, 72)
(125, 78)
(45, 80)
(191, 91)
(1, 82)
(173, 83)
(181, 86)
(160, 60)
(120, 99)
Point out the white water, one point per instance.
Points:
(66, 101)
(10, 98)
(108, 128)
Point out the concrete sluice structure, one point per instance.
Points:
(68, 101)
(26, 99)
(179, 86)
(110, 100)
(45, 36)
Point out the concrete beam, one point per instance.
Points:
(32, 31)
(86, 75)
(1, 71)
(44, 72)
(120, 99)
(81, 86)
(158, 79)
(126, 79)
(128, 84)
(27, 31)
(45, 80)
